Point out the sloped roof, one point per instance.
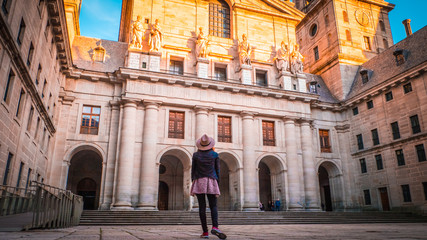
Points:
(322, 90)
(384, 66)
(82, 51)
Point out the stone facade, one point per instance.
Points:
(128, 118)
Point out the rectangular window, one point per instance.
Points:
(389, 96)
(395, 130)
(268, 133)
(224, 129)
(407, 88)
(44, 88)
(415, 124)
(425, 190)
(176, 67)
(30, 54)
(18, 182)
(367, 42)
(364, 74)
(363, 168)
(261, 78)
(7, 169)
(21, 32)
(30, 119)
(355, 111)
(176, 124)
(36, 133)
(379, 161)
(5, 6)
(370, 104)
(367, 195)
(325, 145)
(400, 157)
(90, 120)
(219, 19)
(28, 178)
(221, 73)
(421, 153)
(359, 141)
(9, 84)
(39, 72)
(375, 137)
(316, 53)
(406, 193)
(20, 103)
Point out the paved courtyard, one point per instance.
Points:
(300, 231)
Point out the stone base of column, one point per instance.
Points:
(296, 209)
(195, 209)
(313, 209)
(251, 209)
(147, 209)
(105, 206)
(122, 209)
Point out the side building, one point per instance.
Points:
(34, 50)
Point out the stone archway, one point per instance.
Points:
(229, 183)
(174, 180)
(271, 182)
(331, 187)
(84, 177)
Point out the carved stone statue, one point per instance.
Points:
(245, 51)
(156, 37)
(202, 45)
(296, 60)
(137, 33)
(282, 58)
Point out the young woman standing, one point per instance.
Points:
(205, 177)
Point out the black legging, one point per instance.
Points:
(202, 210)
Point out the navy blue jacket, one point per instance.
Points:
(205, 164)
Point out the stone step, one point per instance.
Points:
(246, 218)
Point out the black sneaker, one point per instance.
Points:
(218, 233)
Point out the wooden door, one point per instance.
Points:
(384, 199)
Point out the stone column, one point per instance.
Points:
(201, 121)
(149, 179)
(250, 178)
(292, 161)
(111, 157)
(343, 132)
(126, 157)
(310, 173)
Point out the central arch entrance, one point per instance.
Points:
(173, 192)
(331, 187)
(271, 183)
(84, 177)
(229, 184)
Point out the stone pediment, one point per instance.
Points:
(271, 7)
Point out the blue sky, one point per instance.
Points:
(101, 18)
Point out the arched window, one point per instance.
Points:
(327, 21)
(348, 35)
(382, 26)
(329, 40)
(345, 16)
(219, 18)
(385, 43)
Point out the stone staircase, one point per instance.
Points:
(94, 217)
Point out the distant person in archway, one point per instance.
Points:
(205, 177)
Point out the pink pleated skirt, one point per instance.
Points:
(205, 185)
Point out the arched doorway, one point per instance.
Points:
(271, 182)
(174, 172)
(224, 202)
(87, 188)
(84, 177)
(264, 185)
(163, 200)
(330, 185)
(229, 183)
